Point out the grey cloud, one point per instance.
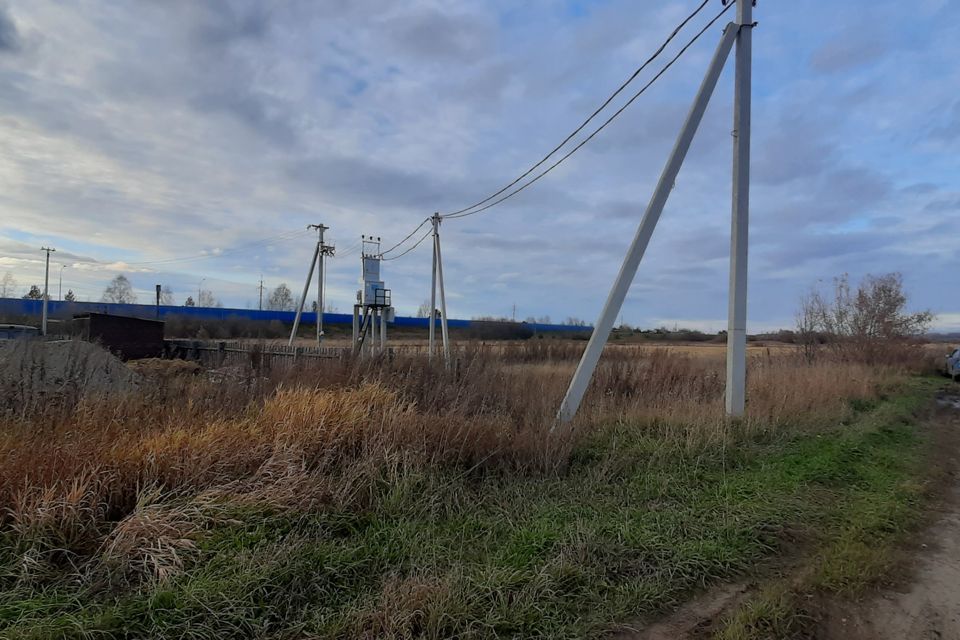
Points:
(233, 21)
(853, 48)
(436, 35)
(844, 248)
(793, 152)
(9, 36)
(943, 204)
(950, 131)
(368, 183)
(260, 112)
(920, 188)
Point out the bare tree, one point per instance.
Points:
(809, 335)
(207, 299)
(119, 291)
(281, 299)
(166, 295)
(189, 302)
(423, 311)
(864, 324)
(8, 286)
(71, 296)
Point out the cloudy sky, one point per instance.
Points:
(178, 140)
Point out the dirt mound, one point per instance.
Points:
(165, 369)
(33, 372)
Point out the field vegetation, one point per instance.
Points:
(396, 498)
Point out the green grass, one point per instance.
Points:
(622, 534)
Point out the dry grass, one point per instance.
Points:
(120, 484)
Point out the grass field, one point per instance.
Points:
(394, 499)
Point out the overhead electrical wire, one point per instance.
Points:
(349, 250)
(464, 213)
(593, 115)
(414, 246)
(409, 235)
(485, 204)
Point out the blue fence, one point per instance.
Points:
(21, 307)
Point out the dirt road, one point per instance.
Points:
(926, 603)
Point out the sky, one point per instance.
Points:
(190, 144)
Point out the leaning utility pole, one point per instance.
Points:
(437, 276)
(739, 229)
(46, 290)
(603, 326)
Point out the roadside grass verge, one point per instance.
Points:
(625, 530)
(860, 545)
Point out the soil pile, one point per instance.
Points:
(34, 372)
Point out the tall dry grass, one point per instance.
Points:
(121, 483)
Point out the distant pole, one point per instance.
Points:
(433, 290)
(199, 287)
(260, 307)
(628, 269)
(443, 298)
(158, 302)
(46, 287)
(323, 250)
(60, 290)
(739, 231)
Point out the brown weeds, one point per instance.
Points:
(127, 480)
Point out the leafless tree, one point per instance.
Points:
(119, 291)
(207, 299)
(864, 324)
(423, 311)
(8, 286)
(71, 296)
(166, 295)
(281, 299)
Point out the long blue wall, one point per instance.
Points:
(22, 307)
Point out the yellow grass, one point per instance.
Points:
(96, 478)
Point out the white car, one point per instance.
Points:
(953, 365)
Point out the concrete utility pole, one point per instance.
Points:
(319, 253)
(260, 307)
(325, 250)
(739, 230)
(438, 278)
(433, 294)
(46, 288)
(60, 291)
(603, 326)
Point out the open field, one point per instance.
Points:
(372, 499)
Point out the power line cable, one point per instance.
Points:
(409, 235)
(415, 245)
(465, 213)
(593, 115)
(349, 250)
